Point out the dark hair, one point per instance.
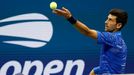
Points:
(121, 15)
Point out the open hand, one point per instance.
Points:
(63, 12)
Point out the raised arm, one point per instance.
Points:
(79, 25)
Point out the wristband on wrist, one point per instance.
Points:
(72, 20)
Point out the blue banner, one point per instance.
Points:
(34, 41)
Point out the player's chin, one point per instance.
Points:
(106, 29)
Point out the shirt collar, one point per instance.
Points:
(118, 33)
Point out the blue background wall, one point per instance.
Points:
(67, 43)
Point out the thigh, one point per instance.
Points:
(92, 72)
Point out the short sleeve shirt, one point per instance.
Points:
(113, 52)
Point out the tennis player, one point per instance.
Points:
(114, 50)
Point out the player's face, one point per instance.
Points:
(110, 23)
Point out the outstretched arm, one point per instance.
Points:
(79, 25)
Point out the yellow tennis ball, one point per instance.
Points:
(53, 5)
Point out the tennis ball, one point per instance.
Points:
(53, 5)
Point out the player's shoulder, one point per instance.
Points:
(106, 34)
(109, 36)
(109, 33)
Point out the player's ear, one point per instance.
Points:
(119, 25)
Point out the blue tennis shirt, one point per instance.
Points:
(113, 53)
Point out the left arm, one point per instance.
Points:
(79, 25)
